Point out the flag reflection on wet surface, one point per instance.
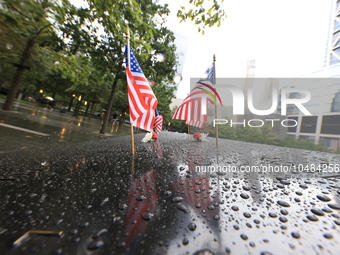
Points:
(104, 201)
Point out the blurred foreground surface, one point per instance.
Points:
(33, 126)
(98, 199)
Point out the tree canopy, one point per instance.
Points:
(68, 51)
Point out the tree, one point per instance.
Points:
(203, 14)
(89, 81)
(33, 21)
(148, 39)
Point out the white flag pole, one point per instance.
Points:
(128, 64)
(214, 83)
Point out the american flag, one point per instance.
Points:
(146, 186)
(194, 107)
(210, 72)
(142, 100)
(158, 124)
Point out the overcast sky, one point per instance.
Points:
(286, 38)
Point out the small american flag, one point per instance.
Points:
(210, 72)
(158, 124)
(194, 107)
(142, 100)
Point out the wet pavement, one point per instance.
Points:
(175, 196)
(31, 126)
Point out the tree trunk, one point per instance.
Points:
(18, 76)
(70, 104)
(109, 106)
(1, 82)
(93, 104)
(92, 110)
(78, 105)
(87, 109)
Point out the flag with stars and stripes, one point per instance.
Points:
(158, 124)
(195, 105)
(210, 74)
(142, 100)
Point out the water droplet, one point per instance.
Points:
(295, 234)
(283, 219)
(28, 212)
(334, 206)
(284, 211)
(328, 236)
(58, 251)
(122, 206)
(283, 203)
(121, 244)
(148, 216)
(73, 231)
(256, 221)
(236, 227)
(247, 214)
(272, 215)
(177, 199)
(312, 218)
(84, 224)
(327, 210)
(100, 233)
(183, 208)
(211, 207)
(94, 245)
(246, 188)
(285, 182)
(317, 212)
(323, 198)
(185, 241)
(244, 195)
(244, 236)
(303, 186)
(234, 208)
(337, 222)
(140, 198)
(216, 217)
(105, 200)
(167, 193)
(192, 226)
(266, 253)
(335, 215)
(204, 252)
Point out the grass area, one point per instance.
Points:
(16, 100)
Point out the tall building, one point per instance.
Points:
(336, 102)
(182, 43)
(333, 42)
(249, 81)
(323, 126)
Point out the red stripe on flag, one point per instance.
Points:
(142, 101)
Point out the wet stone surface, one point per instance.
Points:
(98, 199)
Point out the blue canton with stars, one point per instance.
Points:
(134, 66)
